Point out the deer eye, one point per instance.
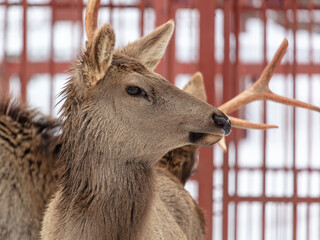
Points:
(136, 91)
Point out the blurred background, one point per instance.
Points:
(267, 186)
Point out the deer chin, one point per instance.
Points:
(204, 139)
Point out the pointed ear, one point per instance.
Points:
(150, 48)
(99, 55)
(196, 87)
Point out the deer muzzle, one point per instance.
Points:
(222, 122)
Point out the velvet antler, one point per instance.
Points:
(260, 91)
(91, 17)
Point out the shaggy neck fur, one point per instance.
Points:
(109, 194)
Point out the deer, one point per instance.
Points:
(120, 118)
(33, 176)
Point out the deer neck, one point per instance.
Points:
(110, 193)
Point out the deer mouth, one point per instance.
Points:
(204, 139)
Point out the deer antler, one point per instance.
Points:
(260, 91)
(244, 124)
(91, 17)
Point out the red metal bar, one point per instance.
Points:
(286, 140)
(37, 67)
(282, 199)
(245, 5)
(4, 81)
(264, 137)
(142, 7)
(171, 50)
(51, 62)
(310, 3)
(227, 94)
(24, 78)
(274, 169)
(295, 175)
(80, 8)
(251, 69)
(188, 68)
(236, 78)
(206, 66)
(161, 11)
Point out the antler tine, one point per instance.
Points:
(91, 17)
(261, 91)
(260, 87)
(244, 124)
(223, 145)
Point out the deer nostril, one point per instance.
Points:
(222, 122)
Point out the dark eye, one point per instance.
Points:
(136, 91)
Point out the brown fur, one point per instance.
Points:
(27, 178)
(180, 162)
(111, 141)
(179, 205)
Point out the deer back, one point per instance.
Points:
(27, 176)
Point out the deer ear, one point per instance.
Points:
(150, 48)
(196, 87)
(99, 54)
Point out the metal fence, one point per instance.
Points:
(268, 184)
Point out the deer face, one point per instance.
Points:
(137, 108)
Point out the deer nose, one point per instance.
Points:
(222, 122)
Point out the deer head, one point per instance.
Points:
(117, 93)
